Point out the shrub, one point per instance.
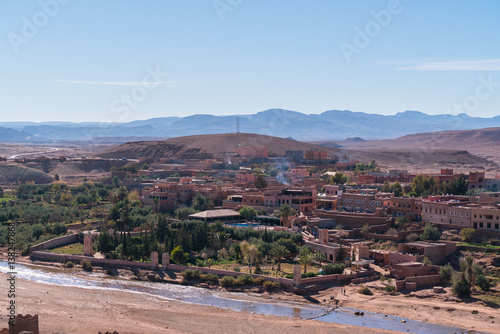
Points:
(391, 232)
(191, 274)
(446, 273)
(412, 237)
(87, 265)
(483, 282)
(259, 281)
(199, 263)
(237, 269)
(268, 285)
(211, 278)
(227, 281)
(382, 278)
(68, 264)
(390, 288)
(475, 312)
(365, 291)
(290, 276)
(271, 286)
(461, 287)
(331, 269)
(244, 279)
(306, 275)
(257, 270)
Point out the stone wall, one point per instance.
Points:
(421, 281)
(54, 257)
(425, 281)
(44, 256)
(353, 220)
(25, 323)
(56, 242)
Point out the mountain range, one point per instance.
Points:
(329, 125)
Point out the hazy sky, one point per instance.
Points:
(96, 60)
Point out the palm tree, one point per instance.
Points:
(155, 202)
(320, 257)
(279, 252)
(468, 267)
(306, 257)
(284, 212)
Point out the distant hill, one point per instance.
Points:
(483, 143)
(329, 125)
(8, 135)
(15, 173)
(206, 146)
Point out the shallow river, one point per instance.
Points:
(252, 303)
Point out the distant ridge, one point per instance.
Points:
(329, 125)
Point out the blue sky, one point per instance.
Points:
(86, 60)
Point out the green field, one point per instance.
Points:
(73, 249)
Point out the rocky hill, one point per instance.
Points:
(484, 143)
(207, 146)
(11, 173)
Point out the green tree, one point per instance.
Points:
(468, 234)
(260, 182)
(459, 186)
(401, 222)
(278, 253)
(104, 244)
(178, 255)
(341, 253)
(305, 257)
(249, 253)
(202, 203)
(320, 257)
(430, 233)
(397, 189)
(338, 178)
(467, 267)
(284, 212)
(183, 212)
(247, 212)
(461, 286)
(162, 227)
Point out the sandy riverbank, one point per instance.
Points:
(77, 310)
(434, 309)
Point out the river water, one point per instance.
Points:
(244, 302)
